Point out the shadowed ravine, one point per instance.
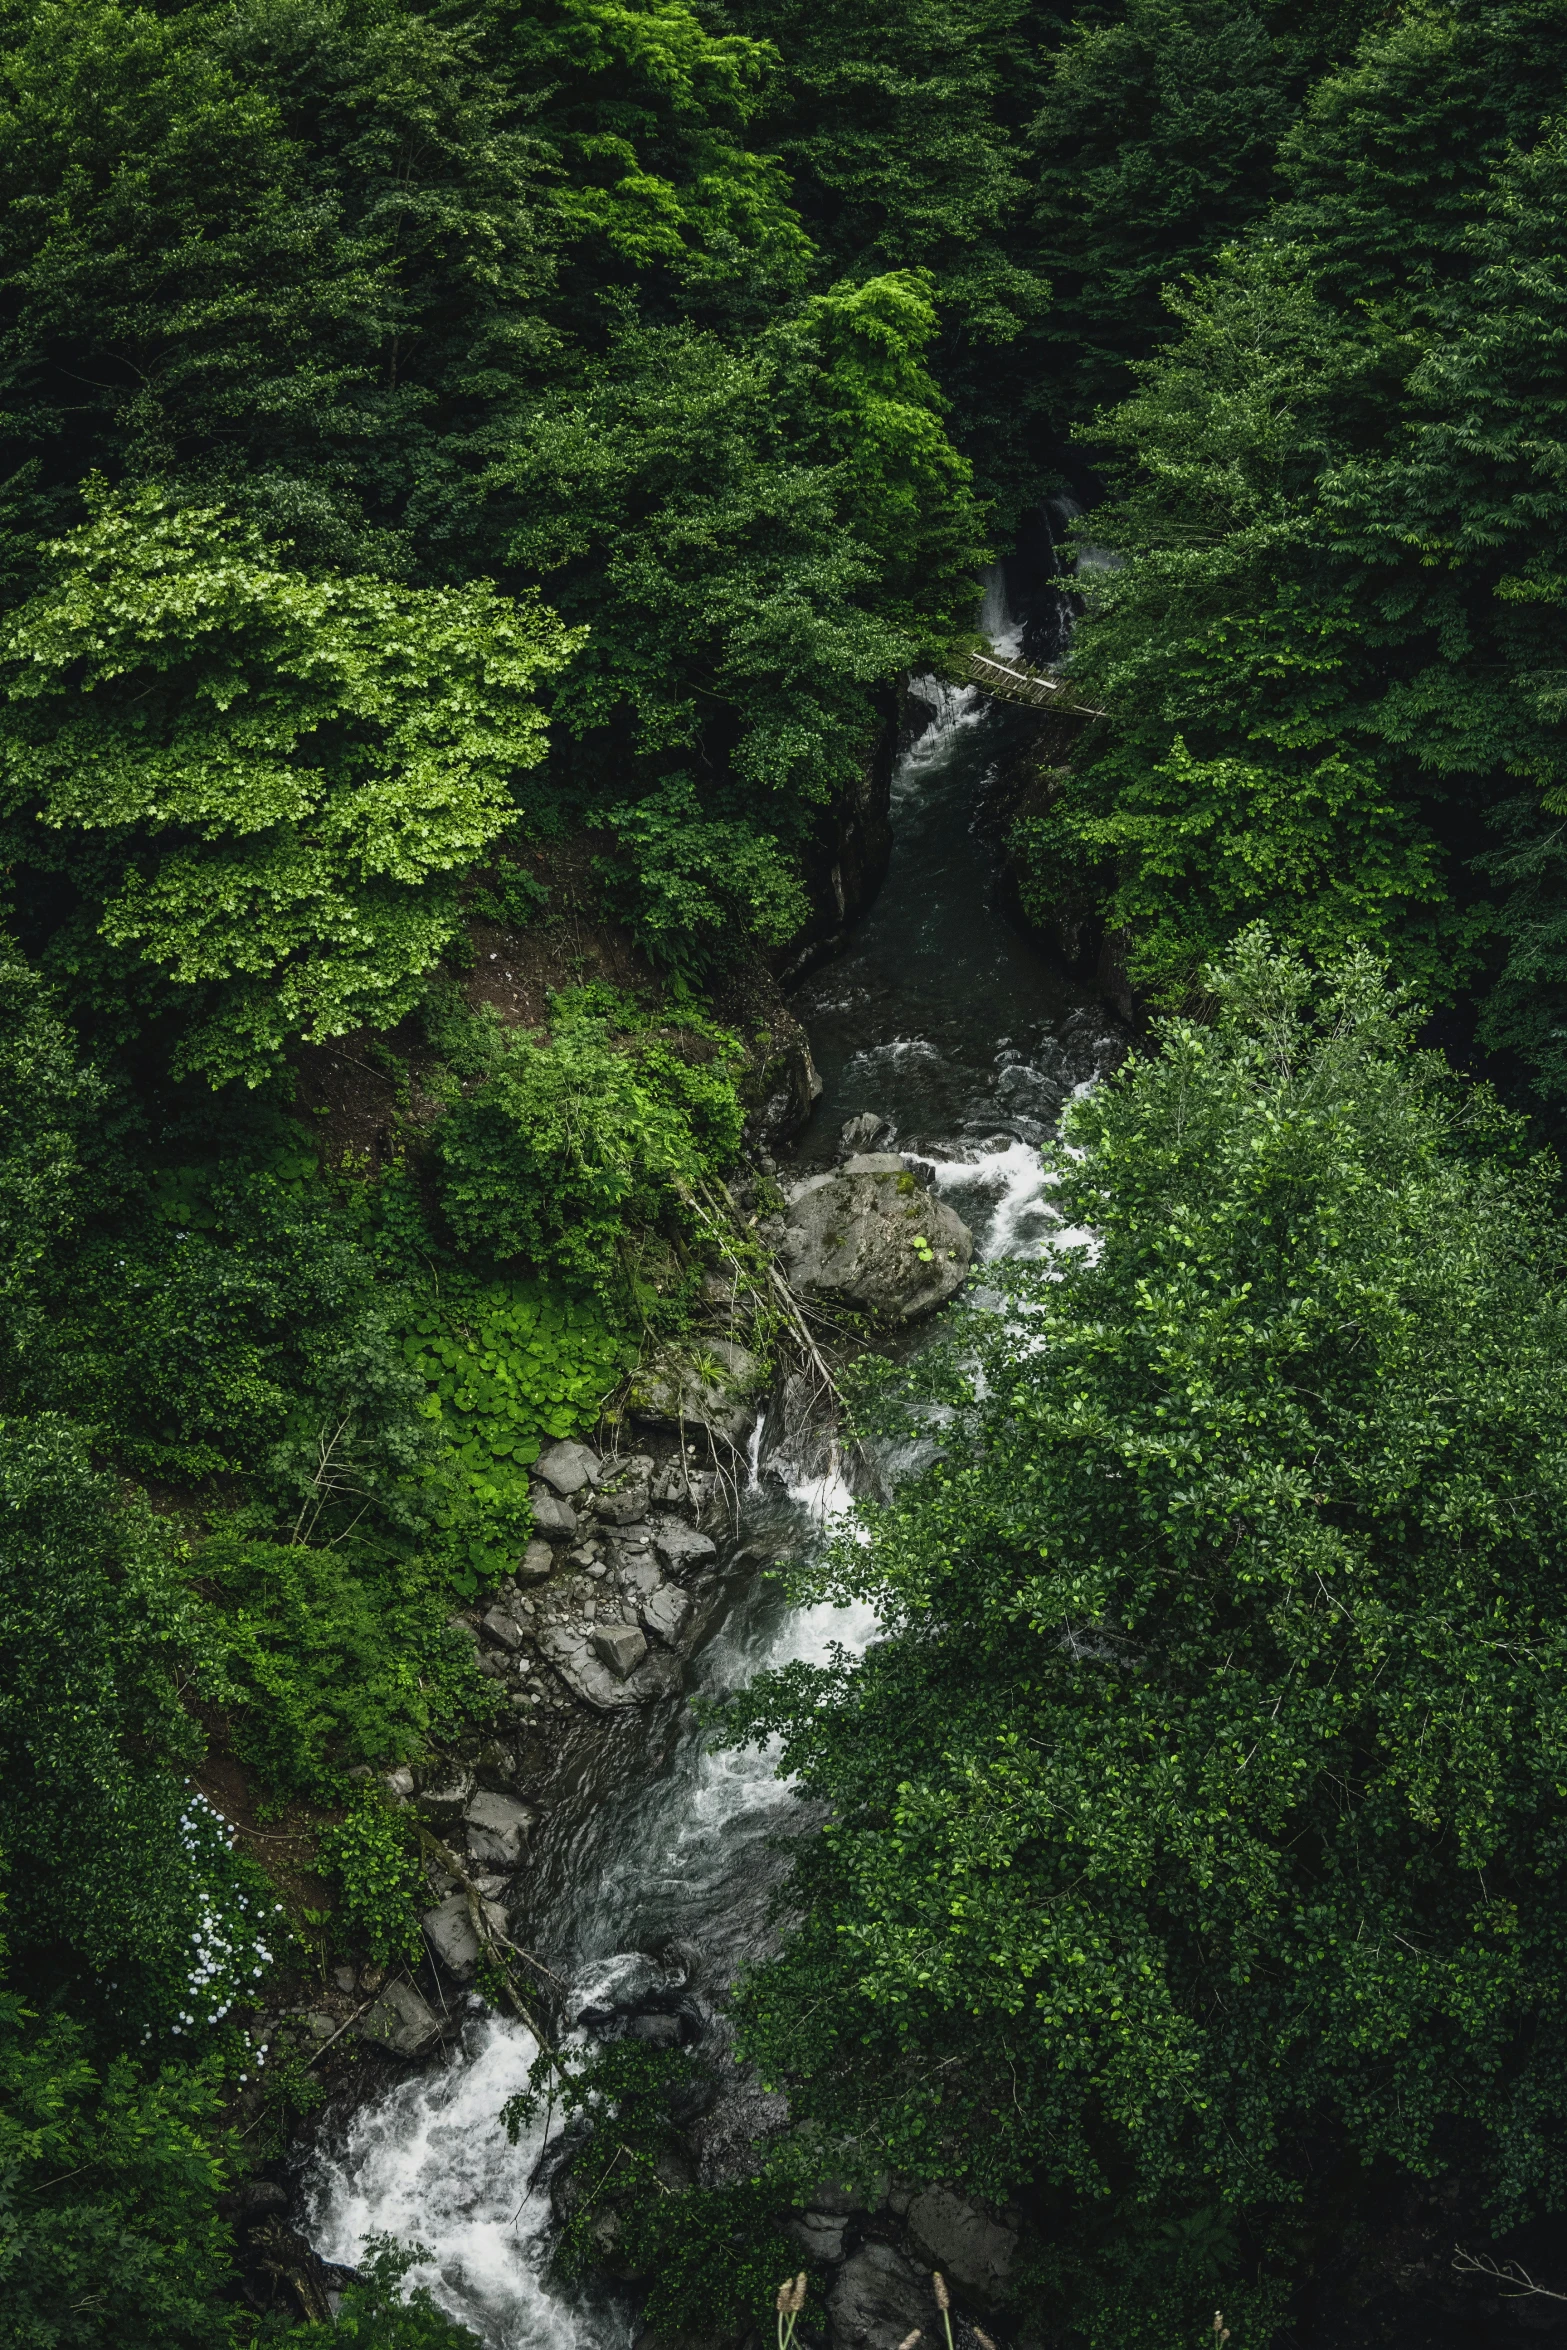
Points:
(944, 1022)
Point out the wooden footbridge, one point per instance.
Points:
(1019, 681)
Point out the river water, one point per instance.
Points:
(952, 1031)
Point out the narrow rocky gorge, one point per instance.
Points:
(634, 1867)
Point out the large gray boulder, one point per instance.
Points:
(873, 1237)
(681, 1547)
(568, 1468)
(621, 1646)
(877, 2299)
(667, 1613)
(570, 1649)
(963, 2241)
(553, 1518)
(444, 1789)
(712, 1383)
(400, 2020)
(497, 1826)
(449, 1930)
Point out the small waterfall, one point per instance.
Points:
(431, 2165)
(948, 1026)
(996, 619)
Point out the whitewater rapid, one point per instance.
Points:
(937, 1018)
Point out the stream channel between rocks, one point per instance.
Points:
(651, 1880)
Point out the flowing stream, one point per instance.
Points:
(653, 1885)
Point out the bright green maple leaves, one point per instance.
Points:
(289, 769)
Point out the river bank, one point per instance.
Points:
(946, 1044)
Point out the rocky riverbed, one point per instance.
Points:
(595, 1831)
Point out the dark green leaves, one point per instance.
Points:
(1202, 1803)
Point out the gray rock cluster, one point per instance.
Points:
(598, 1615)
(615, 1589)
(629, 1571)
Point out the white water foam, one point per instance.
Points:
(997, 620)
(430, 2164)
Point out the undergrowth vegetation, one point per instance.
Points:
(494, 470)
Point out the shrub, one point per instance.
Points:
(713, 2255)
(334, 1658)
(506, 1364)
(110, 2237)
(376, 1862)
(574, 1136)
(232, 1326)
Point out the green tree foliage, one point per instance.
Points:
(47, 1099)
(1154, 143)
(1050, 172)
(424, 304)
(755, 539)
(109, 2179)
(1201, 1805)
(900, 124)
(1327, 651)
(711, 2257)
(227, 1320)
(276, 768)
(331, 1658)
(114, 1867)
(279, 256)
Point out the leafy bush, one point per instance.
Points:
(574, 1136)
(110, 2237)
(128, 1877)
(1195, 1829)
(378, 2312)
(333, 1658)
(289, 768)
(712, 2256)
(506, 1364)
(47, 1099)
(233, 1326)
(372, 1854)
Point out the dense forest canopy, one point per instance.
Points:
(482, 473)
(1331, 644)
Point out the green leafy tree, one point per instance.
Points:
(1325, 650)
(1154, 143)
(47, 1100)
(109, 2184)
(900, 125)
(285, 771)
(1194, 1827)
(135, 1901)
(284, 258)
(755, 541)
